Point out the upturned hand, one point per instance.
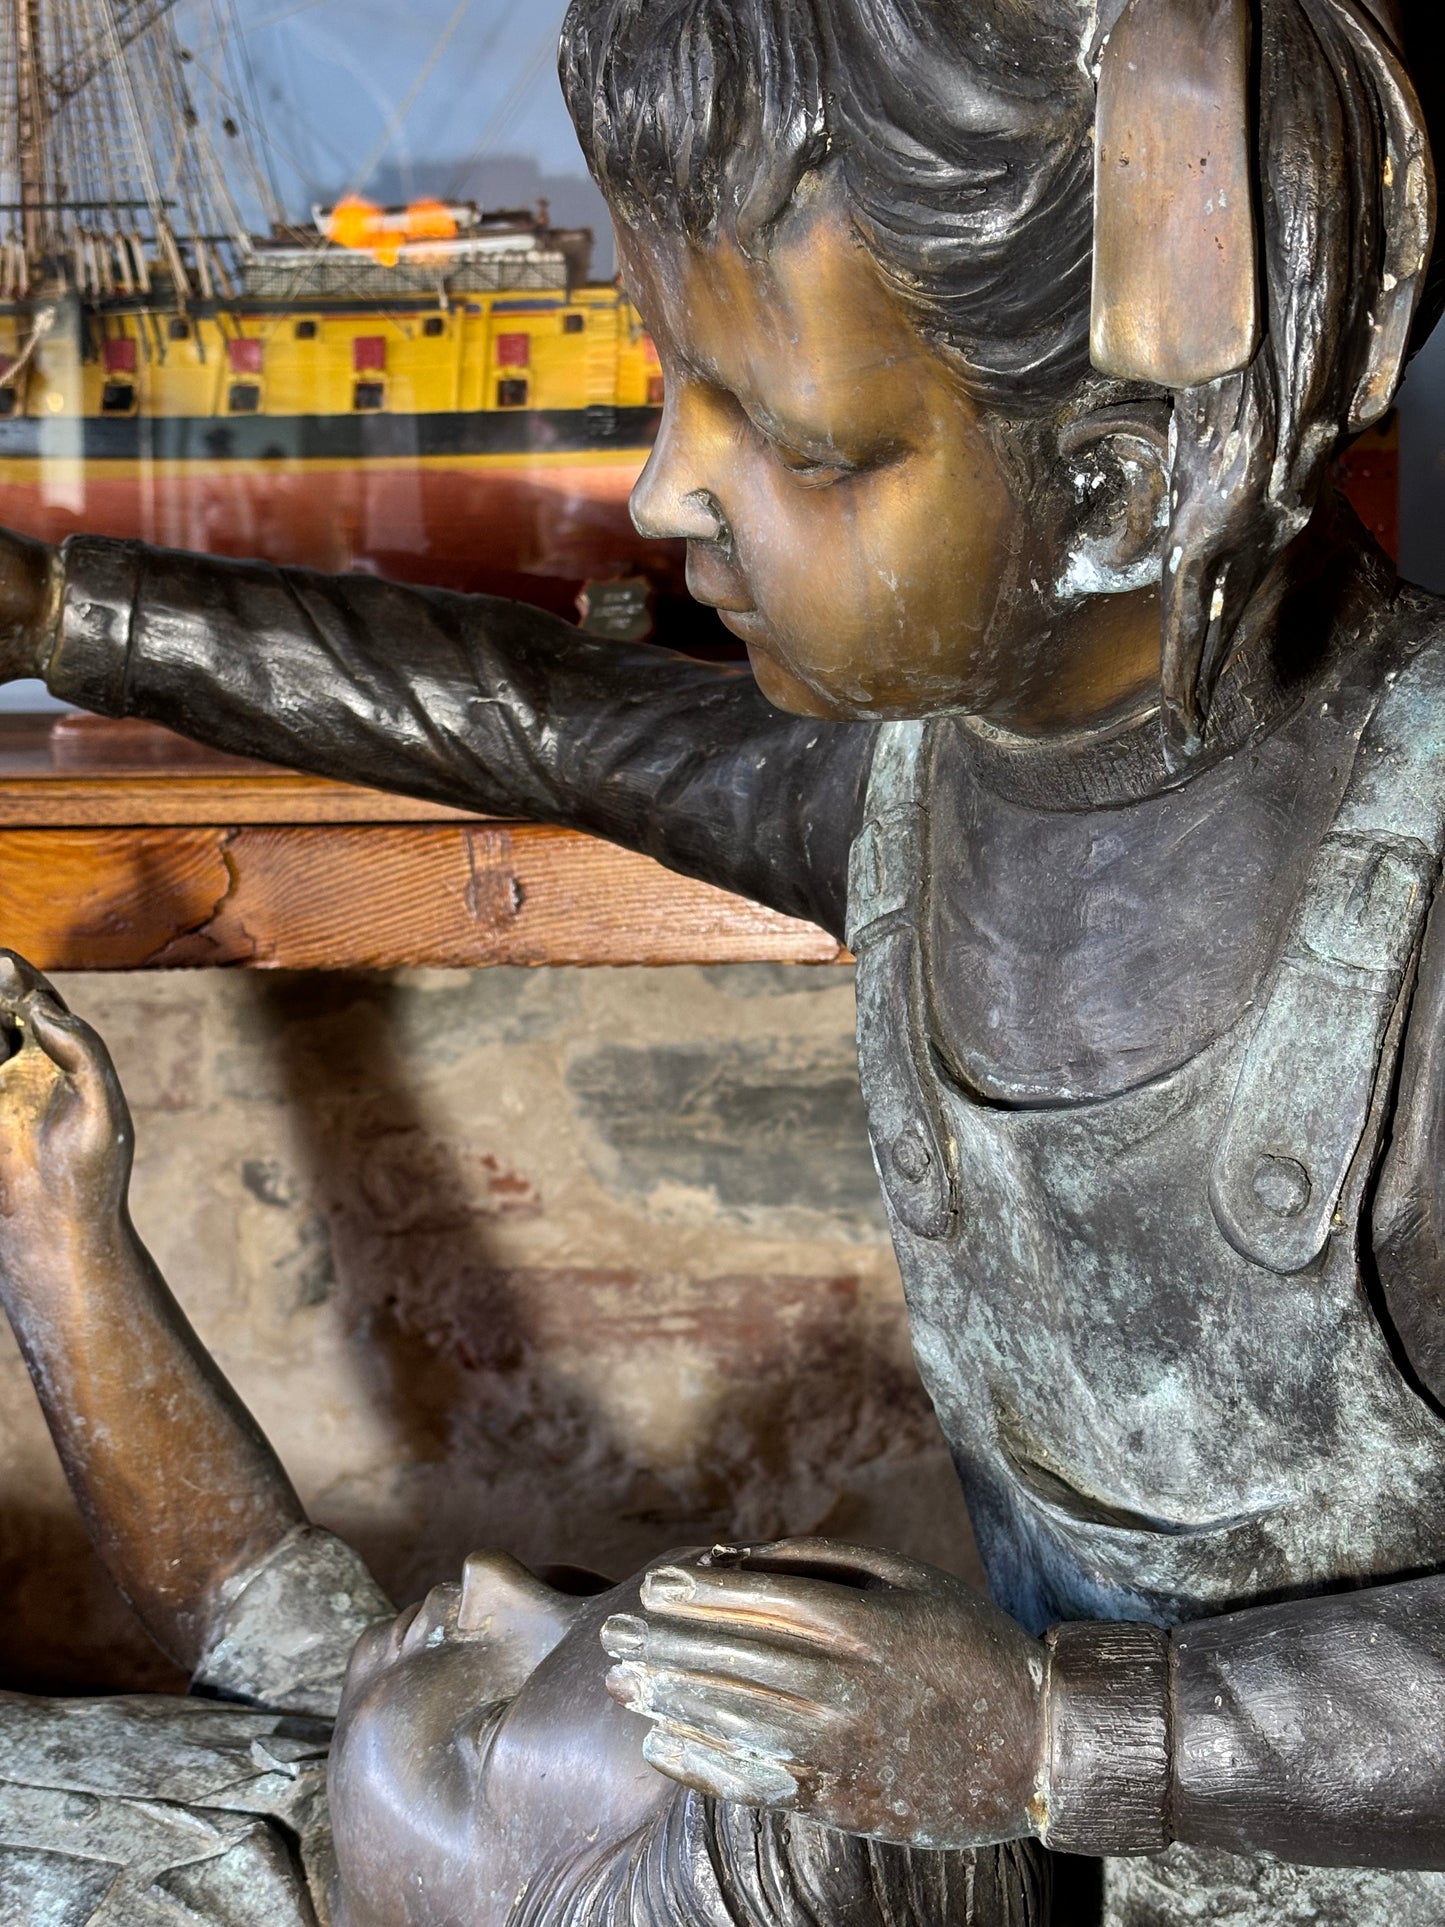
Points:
(27, 605)
(870, 1693)
(65, 1132)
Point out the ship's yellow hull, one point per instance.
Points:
(489, 443)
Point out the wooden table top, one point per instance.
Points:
(123, 847)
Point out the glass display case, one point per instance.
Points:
(325, 284)
(202, 346)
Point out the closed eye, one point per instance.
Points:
(820, 466)
(810, 470)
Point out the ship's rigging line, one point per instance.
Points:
(497, 125)
(388, 135)
(40, 327)
(104, 128)
(286, 13)
(499, 120)
(263, 128)
(409, 100)
(240, 53)
(87, 61)
(503, 116)
(262, 131)
(126, 91)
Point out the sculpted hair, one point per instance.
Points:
(1347, 210)
(962, 131)
(962, 135)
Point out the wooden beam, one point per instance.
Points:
(145, 799)
(109, 869)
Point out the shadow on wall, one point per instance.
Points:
(555, 1380)
(580, 1264)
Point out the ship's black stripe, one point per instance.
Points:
(250, 438)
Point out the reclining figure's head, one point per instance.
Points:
(452, 1718)
(862, 233)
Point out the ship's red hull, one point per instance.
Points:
(534, 531)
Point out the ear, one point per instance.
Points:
(1120, 460)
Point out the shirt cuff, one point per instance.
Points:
(90, 659)
(286, 1632)
(1109, 1745)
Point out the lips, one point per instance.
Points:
(746, 624)
(711, 581)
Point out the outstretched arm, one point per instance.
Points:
(179, 1489)
(469, 700)
(884, 1698)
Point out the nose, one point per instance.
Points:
(433, 1617)
(671, 499)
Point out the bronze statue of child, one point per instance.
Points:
(481, 1776)
(1008, 345)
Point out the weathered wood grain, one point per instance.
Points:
(83, 771)
(124, 848)
(375, 896)
(63, 800)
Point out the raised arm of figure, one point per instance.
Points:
(178, 1488)
(468, 700)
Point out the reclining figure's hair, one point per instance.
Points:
(962, 131)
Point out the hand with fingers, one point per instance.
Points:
(872, 1694)
(65, 1133)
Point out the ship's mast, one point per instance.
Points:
(109, 183)
(29, 122)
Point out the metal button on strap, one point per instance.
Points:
(1282, 1185)
(911, 1157)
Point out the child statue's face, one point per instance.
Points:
(478, 1749)
(845, 510)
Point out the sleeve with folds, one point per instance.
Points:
(1312, 1730)
(472, 701)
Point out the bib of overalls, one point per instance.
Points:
(1145, 1321)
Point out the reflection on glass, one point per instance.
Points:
(434, 392)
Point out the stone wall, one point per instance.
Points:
(583, 1264)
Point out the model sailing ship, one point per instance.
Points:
(435, 392)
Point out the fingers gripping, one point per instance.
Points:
(32, 1011)
(748, 1674)
(760, 1605)
(857, 1567)
(719, 1654)
(738, 1717)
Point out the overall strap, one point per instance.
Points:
(1309, 1077)
(911, 1145)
